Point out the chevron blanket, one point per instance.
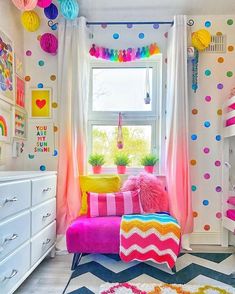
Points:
(154, 237)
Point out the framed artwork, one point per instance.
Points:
(20, 124)
(19, 70)
(20, 92)
(5, 122)
(6, 69)
(40, 105)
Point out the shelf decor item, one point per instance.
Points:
(20, 119)
(96, 161)
(148, 161)
(121, 160)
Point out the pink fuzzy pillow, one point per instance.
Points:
(152, 192)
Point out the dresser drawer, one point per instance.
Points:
(14, 197)
(43, 215)
(13, 233)
(42, 242)
(13, 268)
(43, 189)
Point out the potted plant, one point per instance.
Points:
(96, 160)
(121, 160)
(148, 161)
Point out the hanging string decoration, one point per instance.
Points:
(44, 3)
(195, 71)
(69, 9)
(30, 21)
(49, 43)
(120, 143)
(126, 55)
(25, 4)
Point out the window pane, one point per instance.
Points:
(121, 89)
(137, 142)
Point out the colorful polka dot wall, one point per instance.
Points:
(41, 72)
(216, 78)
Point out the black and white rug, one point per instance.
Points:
(194, 269)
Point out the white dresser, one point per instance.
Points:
(27, 224)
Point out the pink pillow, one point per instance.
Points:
(231, 200)
(231, 214)
(153, 195)
(108, 204)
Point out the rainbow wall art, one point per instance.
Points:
(3, 126)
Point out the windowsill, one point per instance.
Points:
(129, 172)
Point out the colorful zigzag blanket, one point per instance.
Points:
(154, 237)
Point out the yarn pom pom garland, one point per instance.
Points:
(30, 21)
(126, 55)
(25, 4)
(49, 43)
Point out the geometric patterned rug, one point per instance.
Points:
(193, 269)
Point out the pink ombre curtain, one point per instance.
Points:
(177, 158)
(73, 79)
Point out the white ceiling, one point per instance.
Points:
(140, 9)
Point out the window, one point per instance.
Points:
(134, 89)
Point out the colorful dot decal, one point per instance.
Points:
(229, 74)
(193, 162)
(55, 153)
(27, 78)
(218, 138)
(230, 48)
(156, 26)
(166, 35)
(194, 137)
(207, 124)
(205, 202)
(40, 85)
(55, 129)
(230, 22)
(220, 59)
(54, 105)
(42, 168)
(220, 86)
(39, 37)
(116, 36)
(207, 176)
(41, 62)
(194, 188)
(218, 189)
(207, 227)
(141, 36)
(28, 53)
(103, 25)
(53, 77)
(219, 112)
(194, 111)
(129, 25)
(219, 215)
(207, 24)
(217, 163)
(208, 98)
(207, 72)
(219, 34)
(206, 150)
(30, 156)
(195, 214)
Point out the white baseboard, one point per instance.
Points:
(207, 238)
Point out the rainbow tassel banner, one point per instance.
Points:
(124, 55)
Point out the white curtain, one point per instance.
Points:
(73, 86)
(177, 158)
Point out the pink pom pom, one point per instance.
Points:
(49, 43)
(44, 3)
(92, 50)
(25, 4)
(97, 52)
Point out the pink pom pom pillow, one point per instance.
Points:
(111, 204)
(153, 195)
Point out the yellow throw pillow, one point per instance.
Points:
(97, 184)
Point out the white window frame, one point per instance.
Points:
(130, 118)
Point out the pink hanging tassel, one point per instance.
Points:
(119, 135)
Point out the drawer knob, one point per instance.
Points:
(46, 215)
(46, 189)
(13, 273)
(8, 200)
(8, 239)
(46, 242)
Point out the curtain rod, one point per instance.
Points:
(189, 23)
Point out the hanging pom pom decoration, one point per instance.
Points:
(119, 134)
(49, 43)
(125, 55)
(30, 21)
(25, 5)
(44, 3)
(69, 9)
(51, 12)
(195, 71)
(201, 39)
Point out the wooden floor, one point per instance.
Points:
(50, 277)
